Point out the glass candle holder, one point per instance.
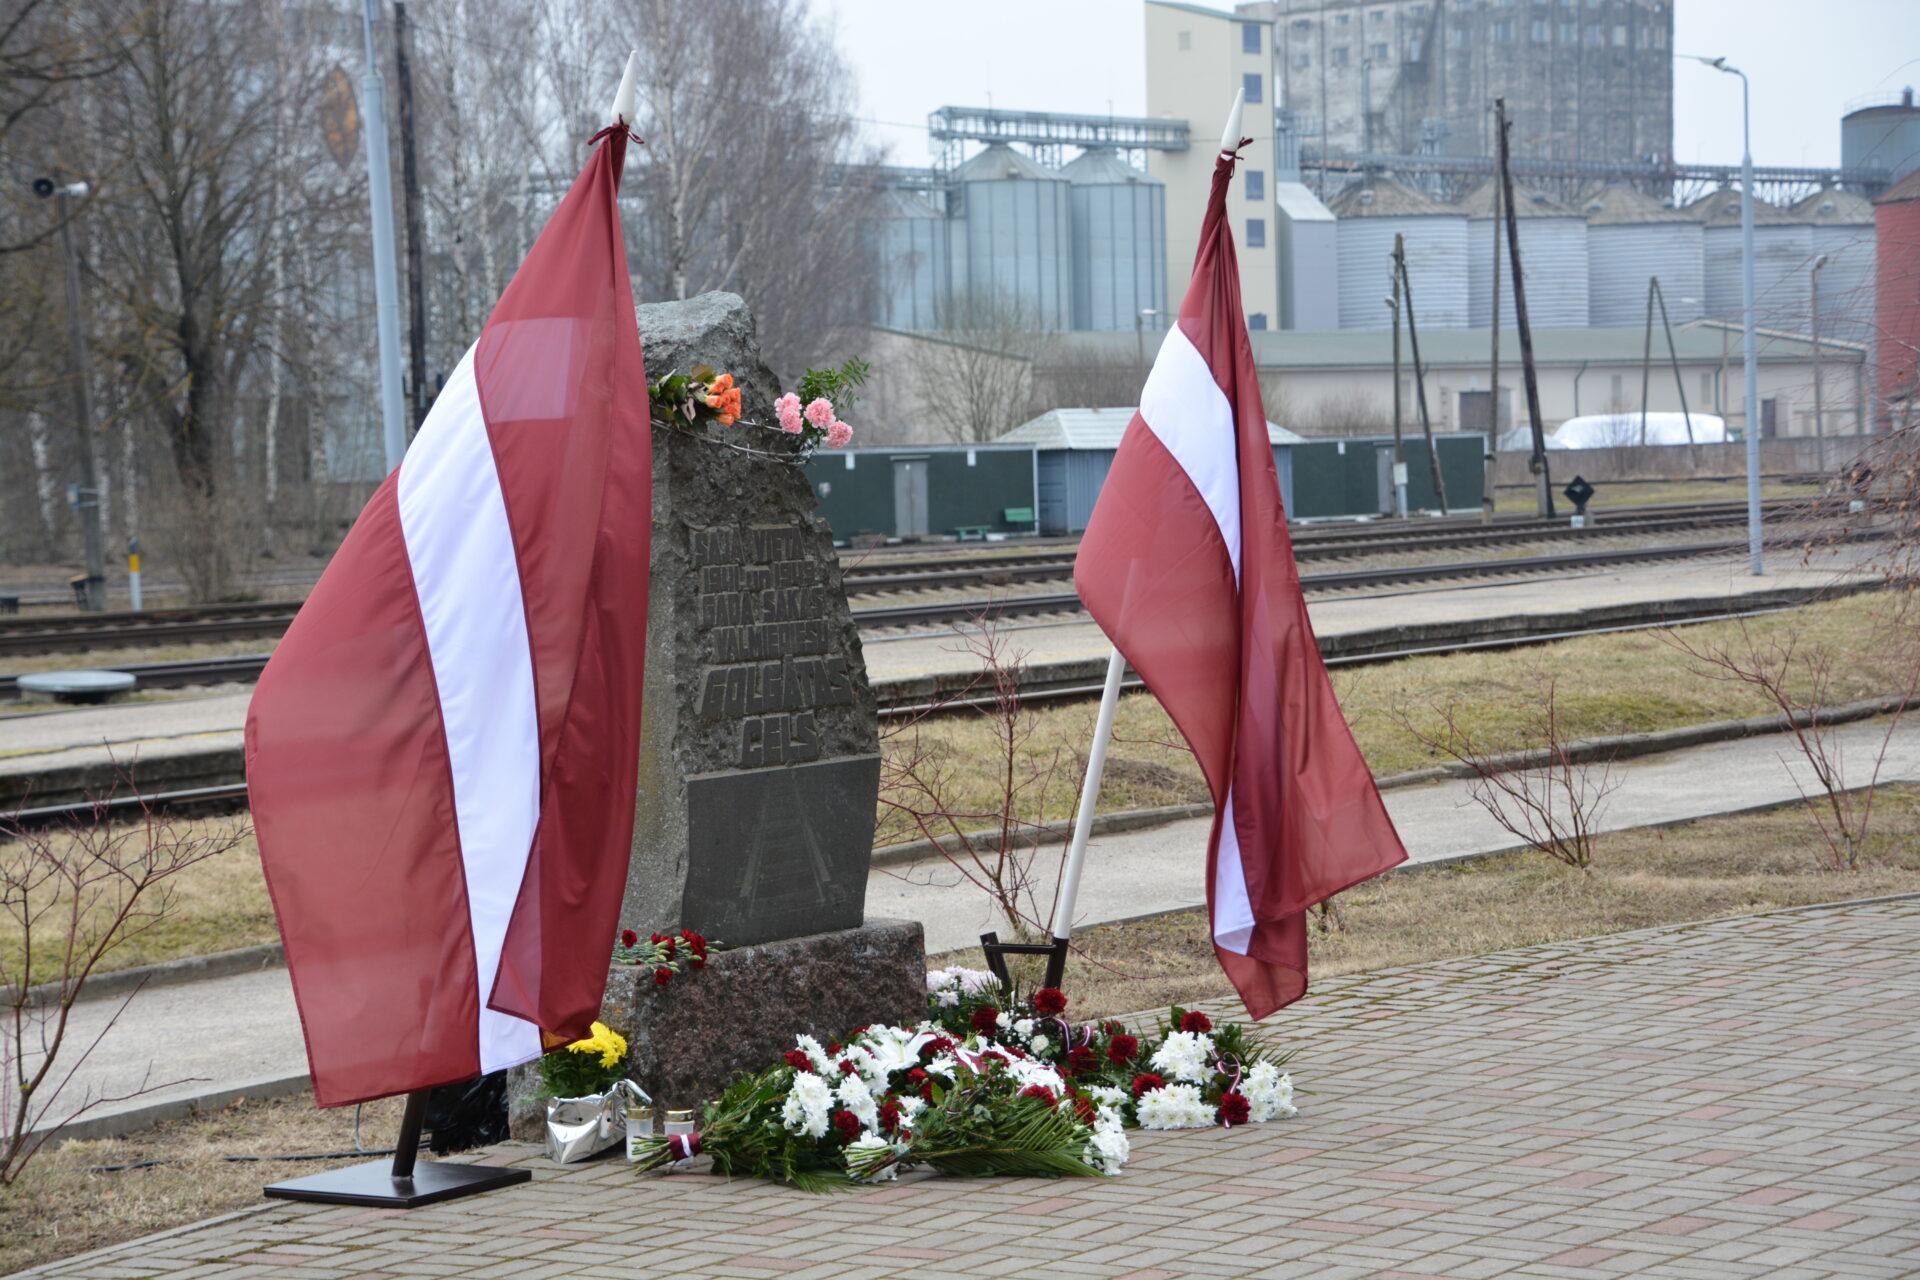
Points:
(639, 1127)
(678, 1122)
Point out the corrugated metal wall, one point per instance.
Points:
(1553, 252)
(1781, 257)
(1436, 264)
(1621, 258)
(965, 487)
(1119, 238)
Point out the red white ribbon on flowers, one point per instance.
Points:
(683, 1146)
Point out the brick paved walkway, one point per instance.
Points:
(1729, 1100)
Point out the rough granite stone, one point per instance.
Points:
(686, 1040)
(705, 490)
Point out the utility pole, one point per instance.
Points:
(1646, 358)
(1542, 478)
(386, 282)
(1493, 379)
(1813, 301)
(1419, 374)
(1399, 440)
(86, 494)
(410, 209)
(1673, 357)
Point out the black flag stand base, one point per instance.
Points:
(404, 1184)
(998, 951)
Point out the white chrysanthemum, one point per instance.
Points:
(807, 1106)
(911, 1105)
(1269, 1093)
(1024, 1026)
(1041, 1044)
(1186, 1056)
(1108, 1149)
(974, 981)
(815, 1054)
(1105, 1095)
(1029, 1072)
(1174, 1106)
(941, 1066)
(946, 999)
(857, 1098)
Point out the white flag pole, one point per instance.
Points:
(1062, 926)
(1063, 902)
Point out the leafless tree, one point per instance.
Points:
(973, 379)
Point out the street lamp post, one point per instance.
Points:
(1813, 322)
(86, 494)
(386, 272)
(1746, 308)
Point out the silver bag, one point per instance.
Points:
(578, 1128)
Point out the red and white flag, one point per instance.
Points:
(1187, 566)
(441, 753)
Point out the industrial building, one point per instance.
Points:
(1897, 298)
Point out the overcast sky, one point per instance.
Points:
(1808, 62)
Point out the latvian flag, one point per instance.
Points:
(441, 753)
(1187, 566)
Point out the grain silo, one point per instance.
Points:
(1885, 135)
(1011, 237)
(1840, 225)
(1632, 238)
(910, 242)
(1119, 220)
(1780, 261)
(1553, 253)
(1370, 214)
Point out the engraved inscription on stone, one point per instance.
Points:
(763, 614)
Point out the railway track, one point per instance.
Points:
(54, 633)
(1064, 682)
(245, 668)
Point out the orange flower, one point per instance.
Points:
(722, 383)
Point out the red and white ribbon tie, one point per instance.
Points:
(683, 1146)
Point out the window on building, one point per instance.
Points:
(1659, 37)
(1250, 37)
(1413, 51)
(1619, 35)
(1462, 37)
(1256, 184)
(1256, 233)
(1302, 61)
(1378, 15)
(1417, 12)
(1184, 41)
(1342, 19)
(1569, 33)
(1503, 33)
(1539, 30)
(1338, 55)
(1251, 83)
(1379, 52)
(1596, 34)
(1258, 320)
(1303, 24)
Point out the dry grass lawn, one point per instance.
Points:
(1615, 497)
(1715, 867)
(1640, 879)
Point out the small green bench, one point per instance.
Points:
(970, 533)
(1017, 515)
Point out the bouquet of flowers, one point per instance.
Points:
(891, 1098)
(815, 413)
(585, 1089)
(587, 1066)
(664, 952)
(1187, 1074)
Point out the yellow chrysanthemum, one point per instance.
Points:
(606, 1042)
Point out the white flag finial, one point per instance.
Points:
(623, 100)
(1230, 140)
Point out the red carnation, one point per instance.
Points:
(628, 938)
(1083, 1107)
(846, 1067)
(699, 959)
(1041, 1092)
(1234, 1109)
(860, 1030)
(662, 976)
(936, 1046)
(985, 1020)
(656, 938)
(1049, 1002)
(1122, 1048)
(833, 1050)
(1147, 1084)
(1114, 1027)
(1196, 1022)
(917, 1077)
(847, 1125)
(890, 1115)
(994, 1058)
(798, 1060)
(1082, 1061)
(926, 1091)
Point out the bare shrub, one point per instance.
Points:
(72, 893)
(1799, 682)
(1347, 413)
(1547, 797)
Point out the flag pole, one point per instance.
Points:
(1061, 926)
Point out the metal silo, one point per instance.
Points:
(1780, 261)
(1840, 225)
(1119, 220)
(911, 254)
(1553, 253)
(1883, 136)
(1631, 238)
(1011, 236)
(1369, 215)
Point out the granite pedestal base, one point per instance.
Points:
(688, 1039)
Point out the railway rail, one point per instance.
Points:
(54, 633)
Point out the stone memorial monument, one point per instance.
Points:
(759, 759)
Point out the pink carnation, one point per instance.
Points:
(788, 408)
(820, 413)
(838, 434)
